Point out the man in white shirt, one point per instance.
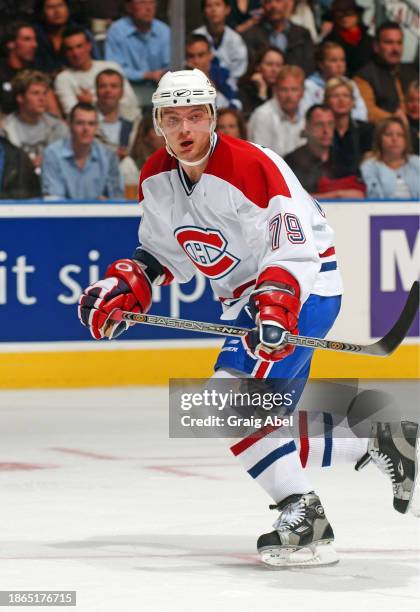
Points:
(77, 83)
(278, 124)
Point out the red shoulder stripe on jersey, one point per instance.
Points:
(328, 252)
(247, 168)
(159, 162)
(278, 275)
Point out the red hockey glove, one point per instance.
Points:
(275, 311)
(125, 286)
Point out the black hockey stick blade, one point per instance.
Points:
(388, 344)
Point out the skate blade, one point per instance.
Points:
(309, 556)
(414, 505)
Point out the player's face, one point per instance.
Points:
(228, 124)
(289, 93)
(275, 10)
(25, 45)
(83, 127)
(198, 55)
(334, 63)
(320, 128)
(390, 46)
(270, 66)
(216, 11)
(413, 104)
(393, 142)
(77, 49)
(56, 12)
(109, 90)
(34, 100)
(187, 130)
(340, 100)
(142, 10)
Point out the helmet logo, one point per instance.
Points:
(180, 93)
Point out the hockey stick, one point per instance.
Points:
(383, 347)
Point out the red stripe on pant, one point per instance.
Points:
(304, 441)
(242, 445)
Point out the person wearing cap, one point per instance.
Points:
(351, 34)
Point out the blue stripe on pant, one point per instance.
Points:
(269, 459)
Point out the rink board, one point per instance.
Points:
(49, 252)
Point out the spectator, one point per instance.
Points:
(19, 44)
(77, 167)
(278, 123)
(231, 122)
(320, 174)
(31, 128)
(331, 62)
(77, 82)
(352, 138)
(244, 14)
(141, 45)
(198, 55)
(115, 132)
(412, 104)
(382, 82)
(256, 86)
(276, 29)
(54, 21)
(349, 32)
(226, 44)
(18, 180)
(146, 141)
(391, 172)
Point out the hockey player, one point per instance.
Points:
(236, 212)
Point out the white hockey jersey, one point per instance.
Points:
(248, 212)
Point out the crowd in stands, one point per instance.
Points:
(316, 81)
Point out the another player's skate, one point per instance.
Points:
(302, 535)
(395, 448)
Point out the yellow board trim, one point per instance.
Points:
(156, 366)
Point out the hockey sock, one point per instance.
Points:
(324, 439)
(270, 459)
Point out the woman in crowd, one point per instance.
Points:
(145, 142)
(256, 86)
(331, 62)
(352, 138)
(349, 32)
(231, 122)
(391, 172)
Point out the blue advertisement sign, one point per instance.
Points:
(46, 262)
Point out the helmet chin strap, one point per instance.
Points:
(195, 163)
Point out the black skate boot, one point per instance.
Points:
(302, 535)
(396, 452)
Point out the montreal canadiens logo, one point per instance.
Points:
(207, 250)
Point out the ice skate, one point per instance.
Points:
(396, 451)
(302, 535)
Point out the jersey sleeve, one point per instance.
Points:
(155, 234)
(279, 229)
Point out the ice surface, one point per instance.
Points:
(96, 498)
